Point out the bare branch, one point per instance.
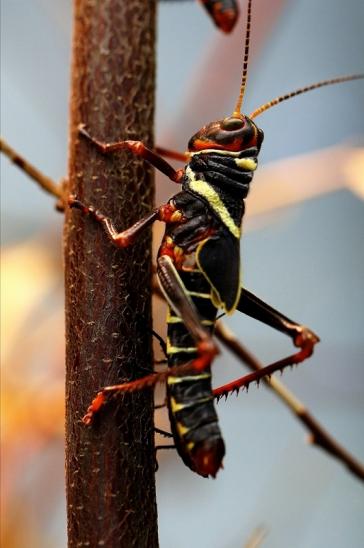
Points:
(43, 181)
(110, 466)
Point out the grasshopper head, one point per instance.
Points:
(234, 133)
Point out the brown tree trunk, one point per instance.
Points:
(110, 465)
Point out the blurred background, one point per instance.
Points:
(302, 253)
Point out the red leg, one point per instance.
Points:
(305, 341)
(206, 349)
(203, 360)
(306, 345)
(251, 305)
(139, 149)
(301, 336)
(126, 237)
(173, 154)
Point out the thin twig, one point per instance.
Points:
(256, 538)
(43, 181)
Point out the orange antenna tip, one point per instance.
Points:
(299, 91)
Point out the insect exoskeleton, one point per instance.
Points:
(232, 134)
(201, 249)
(198, 269)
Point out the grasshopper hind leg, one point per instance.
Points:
(302, 337)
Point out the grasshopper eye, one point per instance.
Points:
(232, 124)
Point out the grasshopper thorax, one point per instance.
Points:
(234, 134)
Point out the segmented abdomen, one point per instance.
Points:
(190, 400)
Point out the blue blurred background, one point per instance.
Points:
(306, 260)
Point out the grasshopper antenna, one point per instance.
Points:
(237, 110)
(298, 91)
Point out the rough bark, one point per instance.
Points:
(110, 465)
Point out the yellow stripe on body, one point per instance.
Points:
(250, 164)
(187, 378)
(182, 429)
(173, 319)
(201, 295)
(177, 319)
(176, 349)
(175, 406)
(206, 191)
(216, 300)
(216, 151)
(247, 164)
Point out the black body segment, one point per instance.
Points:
(203, 247)
(190, 401)
(219, 259)
(221, 180)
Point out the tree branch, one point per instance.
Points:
(43, 181)
(110, 465)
